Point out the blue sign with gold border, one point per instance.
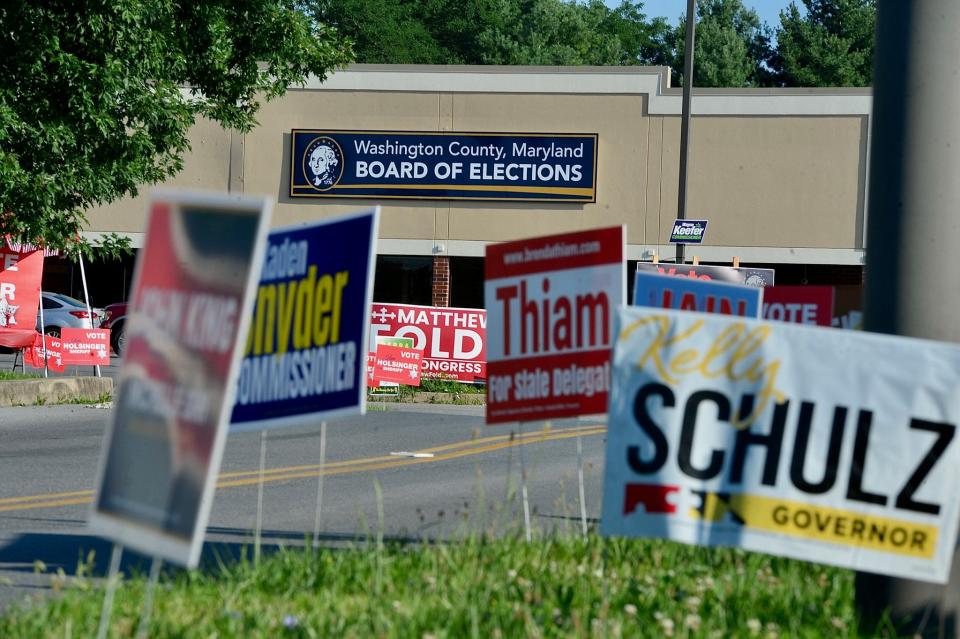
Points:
(533, 167)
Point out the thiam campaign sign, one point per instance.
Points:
(550, 304)
(686, 294)
(304, 359)
(800, 441)
(535, 167)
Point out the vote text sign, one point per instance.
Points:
(85, 346)
(550, 304)
(799, 304)
(397, 364)
(823, 445)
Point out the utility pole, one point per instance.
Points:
(913, 237)
(685, 118)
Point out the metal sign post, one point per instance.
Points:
(685, 117)
(86, 298)
(323, 462)
(112, 579)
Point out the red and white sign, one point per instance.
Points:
(20, 275)
(35, 354)
(85, 346)
(550, 305)
(192, 302)
(452, 339)
(799, 304)
(397, 364)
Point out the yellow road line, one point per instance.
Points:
(246, 478)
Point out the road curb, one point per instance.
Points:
(431, 397)
(55, 390)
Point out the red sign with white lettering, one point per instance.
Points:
(36, 355)
(452, 339)
(20, 275)
(397, 364)
(799, 304)
(86, 347)
(550, 303)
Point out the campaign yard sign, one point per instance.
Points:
(688, 294)
(688, 231)
(85, 346)
(736, 275)
(452, 339)
(530, 167)
(799, 441)
(375, 385)
(550, 304)
(192, 296)
(397, 364)
(811, 305)
(21, 270)
(304, 356)
(45, 351)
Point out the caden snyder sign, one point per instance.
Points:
(431, 165)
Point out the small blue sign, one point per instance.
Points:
(549, 167)
(688, 231)
(690, 294)
(305, 355)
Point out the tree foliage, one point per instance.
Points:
(730, 48)
(831, 44)
(97, 96)
(515, 32)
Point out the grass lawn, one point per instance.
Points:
(557, 586)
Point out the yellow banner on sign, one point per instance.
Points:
(818, 523)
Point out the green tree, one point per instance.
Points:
(730, 49)
(97, 96)
(521, 32)
(831, 44)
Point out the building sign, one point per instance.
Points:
(452, 339)
(821, 445)
(444, 166)
(85, 346)
(397, 364)
(192, 298)
(749, 276)
(304, 359)
(799, 304)
(688, 231)
(687, 294)
(550, 304)
(20, 275)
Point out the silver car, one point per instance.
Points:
(63, 311)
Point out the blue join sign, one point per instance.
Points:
(449, 166)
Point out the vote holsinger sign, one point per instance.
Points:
(550, 304)
(823, 445)
(397, 364)
(452, 339)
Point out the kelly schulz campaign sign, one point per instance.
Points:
(192, 298)
(800, 441)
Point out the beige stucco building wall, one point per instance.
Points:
(780, 174)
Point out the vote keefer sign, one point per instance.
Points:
(550, 304)
(452, 339)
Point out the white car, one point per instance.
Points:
(63, 311)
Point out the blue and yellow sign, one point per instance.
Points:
(548, 167)
(305, 355)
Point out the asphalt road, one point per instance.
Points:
(49, 460)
